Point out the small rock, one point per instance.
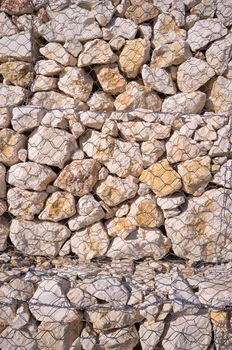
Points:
(58, 118)
(152, 151)
(42, 83)
(134, 54)
(93, 119)
(56, 52)
(48, 68)
(223, 145)
(78, 177)
(101, 101)
(190, 103)
(26, 118)
(16, 47)
(59, 206)
(142, 11)
(5, 117)
(54, 100)
(30, 176)
(171, 202)
(158, 79)
(11, 95)
(51, 146)
(96, 52)
(110, 79)
(80, 298)
(204, 32)
(117, 43)
(10, 143)
(120, 27)
(143, 131)
(120, 226)
(114, 190)
(220, 96)
(205, 133)
(169, 54)
(16, 72)
(7, 27)
(161, 178)
(192, 74)
(103, 12)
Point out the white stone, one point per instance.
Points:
(223, 145)
(11, 95)
(26, 118)
(120, 27)
(56, 52)
(171, 202)
(42, 83)
(58, 118)
(2, 181)
(223, 12)
(169, 54)
(123, 339)
(54, 100)
(158, 79)
(48, 68)
(224, 175)
(7, 28)
(152, 151)
(219, 54)
(80, 298)
(192, 102)
(74, 47)
(11, 142)
(17, 47)
(96, 52)
(143, 131)
(92, 119)
(101, 101)
(220, 96)
(150, 333)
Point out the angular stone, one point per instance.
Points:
(16, 72)
(74, 47)
(187, 330)
(171, 202)
(205, 133)
(76, 83)
(88, 339)
(34, 238)
(51, 146)
(150, 333)
(53, 335)
(219, 54)
(90, 242)
(121, 227)
(224, 175)
(2, 181)
(18, 289)
(80, 298)
(5, 117)
(96, 52)
(42, 83)
(195, 174)
(13, 339)
(223, 12)
(103, 11)
(220, 95)
(142, 11)
(11, 95)
(56, 52)
(92, 119)
(204, 32)
(25, 204)
(166, 31)
(120, 27)
(143, 131)
(30, 176)
(4, 232)
(144, 212)
(58, 118)
(106, 149)
(123, 339)
(152, 151)
(161, 178)
(117, 43)
(138, 96)
(55, 100)
(114, 190)
(89, 211)
(10, 143)
(16, 7)
(190, 103)
(192, 74)
(111, 79)
(16, 47)
(49, 303)
(78, 177)
(169, 54)
(101, 101)
(200, 232)
(7, 27)
(59, 206)
(223, 145)
(134, 54)
(158, 79)
(215, 291)
(48, 68)
(26, 118)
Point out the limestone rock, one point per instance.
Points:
(78, 177)
(140, 12)
(219, 54)
(144, 212)
(220, 96)
(205, 133)
(150, 333)
(114, 190)
(30, 176)
(120, 27)
(59, 206)
(25, 204)
(10, 143)
(5, 117)
(74, 47)
(26, 118)
(35, 238)
(143, 131)
(171, 202)
(104, 12)
(56, 52)
(42, 83)
(110, 79)
(12, 338)
(11, 95)
(190, 103)
(223, 176)
(17, 47)
(192, 74)
(106, 149)
(7, 27)
(224, 12)
(48, 68)
(55, 100)
(89, 211)
(215, 291)
(161, 178)
(90, 242)
(92, 119)
(16, 7)
(2, 181)
(121, 227)
(223, 145)
(134, 54)
(96, 52)
(186, 331)
(101, 101)
(123, 339)
(18, 289)
(76, 83)
(51, 146)
(181, 147)
(49, 303)
(204, 32)
(166, 31)
(16, 72)
(152, 151)
(158, 79)
(81, 298)
(58, 118)
(4, 232)
(200, 232)
(138, 96)
(169, 54)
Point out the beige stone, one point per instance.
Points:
(173, 53)
(101, 101)
(219, 54)
(134, 54)
(42, 83)
(26, 118)
(10, 143)
(120, 27)
(152, 151)
(142, 11)
(7, 27)
(126, 337)
(16, 47)
(111, 79)
(48, 68)
(56, 52)
(96, 52)
(4, 231)
(161, 178)
(79, 177)
(16, 72)
(192, 102)
(220, 95)
(143, 131)
(11, 95)
(158, 79)
(121, 227)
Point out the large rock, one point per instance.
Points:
(49, 303)
(144, 131)
(33, 238)
(11, 95)
(123, 339)
(114, 190)
(79, 177)
(224, 175)
(142, 11)
(224, 12)
(48, 68)
(220, 95)
(201, 232)
(26, 118)
(42, 83)
(17, 47)
(10, 144)
(192, 74)
(110, 79)
(134, 54)
(190, 103)
(16, 72)
(166, 31)
(76, 83)
(219, 54)
(96, 52)
(30, 176)
(120, 27)
(169, 54)
(150, 333)
(158, 79)
(56, 52)
(204, 32)
(51, 146)
(7, 27)
(55, 100)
